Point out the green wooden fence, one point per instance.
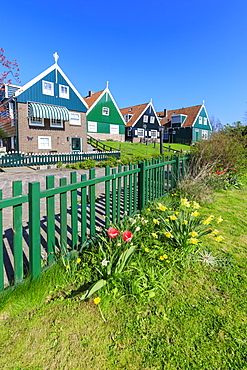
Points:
(69, 215)
(21, 159)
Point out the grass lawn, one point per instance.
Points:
(188, 313)
(138, 149)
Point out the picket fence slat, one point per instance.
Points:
(17, 231)
(50, 212)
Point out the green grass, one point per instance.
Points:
(138, 149)
(185, 314)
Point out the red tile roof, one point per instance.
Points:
(90, 100)
(136, 110)
(190, 112)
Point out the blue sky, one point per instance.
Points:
(178, 52)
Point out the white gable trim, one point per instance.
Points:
(198, 114)
(42, 75)
(97, 100)
(144, 110)
(202, 106)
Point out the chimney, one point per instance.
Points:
(165, 113)
(90, 93)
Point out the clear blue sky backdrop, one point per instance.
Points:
(177, 52)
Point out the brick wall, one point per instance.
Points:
(115, 137)
(60, 137)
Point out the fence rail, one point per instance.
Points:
(99, 145)
(68, 216)
(21, 159)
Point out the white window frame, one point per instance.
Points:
(153, 134)
(140, 132)
(152, 119)
(92, 126)
(40, 144)
(11, 113)
(46, 91)
(145, 118)
(74, 119)
(114, 129)
(200, 120)
(105, 111)
(63, 94)
(36, 121)
(205, 121)
(204, 134)
(58, 123)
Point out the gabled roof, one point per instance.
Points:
(42, 75)
(90, 100)
(95, 98)
(136, 111)
(190, 112)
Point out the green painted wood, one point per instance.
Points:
(130, 191)
(83, 210)
(74, 212)
(107, 198)
(141, 185)
(50, 214)
(1, 248)
(135, 189)
(114, 199)
(147, 189)
(63, 217)
(125, 192)
(34, 229)
(92, 202)
(17, 230)
(119, 191)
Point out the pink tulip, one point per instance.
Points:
(127, 236)
(113, 232)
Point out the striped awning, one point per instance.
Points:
(47, 111)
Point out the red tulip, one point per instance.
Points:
(127, 236)
(113, 232)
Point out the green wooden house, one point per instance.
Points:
(185, 125)
(104, 119)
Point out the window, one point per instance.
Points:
(44, 142)
(56, 123)
(154, 134)
(75, 119)
(152, 118)
(92, 126)
(145, 118)
(64, 91)
(48, 88)
(105, 111)
(140, 132)
(114, 129)
(36, 121)
(205, 121)
(204, 134)
(200, 120)
(129, 131)
(127, 117)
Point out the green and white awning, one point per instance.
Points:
(47, 111)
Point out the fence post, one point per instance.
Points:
(17, 228)
(176, 171)
(141, 185)
(34, 228)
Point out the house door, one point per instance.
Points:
(76, 144)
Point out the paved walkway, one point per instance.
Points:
(26, 175)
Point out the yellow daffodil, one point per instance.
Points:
(163, 208)
(185, 222)
(173, 217)
(219, 238)
(196, 205)
(148, 209)
(215, 232)
(168, 235)
(78, 260)
(167, 219)
(67, 267)
(146, 250)
(194, 233)
(219, 219)
(97, 300)
(162, 258)
(193, 241)
(195, 214)
(177, 213)
(167, 261)
(165, 256)
(185, 202)
(207, 221)
(154, 235)
(155, 221)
